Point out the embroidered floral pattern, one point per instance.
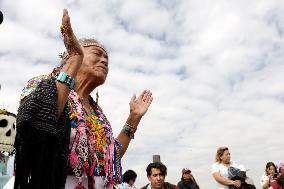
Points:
(94, 150)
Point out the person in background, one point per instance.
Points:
(270, 175)
(156, 173)
(220, 169)
(128, 180)
(279, 183)
(187, 180)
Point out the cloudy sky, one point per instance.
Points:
(215, 68)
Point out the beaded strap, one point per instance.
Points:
(129, 130)
(63, 77)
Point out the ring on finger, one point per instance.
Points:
(63, 30)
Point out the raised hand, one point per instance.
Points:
(140, 105)
(138, 108)
(70, 41)
(72, 60)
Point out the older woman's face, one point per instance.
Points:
(95, 63)
(226, 157)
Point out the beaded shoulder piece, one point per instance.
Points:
(33, 84)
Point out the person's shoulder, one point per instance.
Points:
(216, 164)
(32, 84)
(118, 186)
(170, 186)
(144, 187)
(233, 164)
(180, 184)
(216, 167)
(264, 178)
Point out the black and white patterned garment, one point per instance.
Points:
(42, 140)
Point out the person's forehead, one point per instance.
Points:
(93, 47)
(226, 152)
(155, 171)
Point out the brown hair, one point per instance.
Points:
(220, 152)
(269, 164)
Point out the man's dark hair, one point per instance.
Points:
(129, 175)
(156, 165)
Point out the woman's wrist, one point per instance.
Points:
(129, 130)
(133, 120)
(135, 116)
(131, 124)
(72, 65)
(64, 78)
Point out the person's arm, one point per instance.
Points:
(179, 185)
(193, 179)
(217, 176)
(138, 108)
(72, 62)
(265, 182)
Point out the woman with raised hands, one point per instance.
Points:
(64, 140)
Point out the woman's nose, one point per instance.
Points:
(104, 61)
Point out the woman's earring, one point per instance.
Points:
(97, 97)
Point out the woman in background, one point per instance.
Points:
(270, 175)
(220, 169)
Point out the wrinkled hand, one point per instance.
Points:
(70, 41)
(140, 105)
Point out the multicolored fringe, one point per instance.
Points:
(94, 151)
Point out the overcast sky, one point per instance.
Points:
(215, 69)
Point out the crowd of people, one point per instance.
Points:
(227, 175)
(156, 174)
(64, 139)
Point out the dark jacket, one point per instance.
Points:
(166, 186)
(188, 185)
(237, 174)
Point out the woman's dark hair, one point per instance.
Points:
(129, 175)
(269, 164)
(156, 165)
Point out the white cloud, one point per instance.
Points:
(215, 69)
